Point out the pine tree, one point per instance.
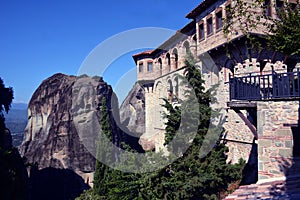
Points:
(193, 175)
(173, 116)
(110, 183)
(102, 171)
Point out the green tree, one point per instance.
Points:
(110, 183)
(194, 175)
(282, 31)
(173, 116)
(13, 175)
(102, 171)
(6, 97)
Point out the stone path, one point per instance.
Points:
(285, 189)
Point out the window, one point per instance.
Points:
(141, 67)
(175, 53)
(170, 91)
(201, 31)
(186, 44)
(169, 62)
(267, 6)
(209, 26)
(160, 65)
(176, 87)
(279, 4)
(149, 66)
(219, 20)
(176, 60)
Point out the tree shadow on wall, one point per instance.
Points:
(250, 172)
(289, 188)
(58, 184)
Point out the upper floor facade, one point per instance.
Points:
(205, 33)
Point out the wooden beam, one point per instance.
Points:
(247, 122)
(241, 104)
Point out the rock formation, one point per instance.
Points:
(132, 111)
(132, 116)
(63, 124)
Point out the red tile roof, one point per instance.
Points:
(148, 52)
(200, 8)
(144, 53)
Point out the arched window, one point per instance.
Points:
(186, 44)
(168, 61)
(170, 91)
(175, 53)
(176, 87)
(160, 66)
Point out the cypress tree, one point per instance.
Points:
(193, 175)
(102, 171)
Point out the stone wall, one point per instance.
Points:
(153, 138)
(239, 139)
(275, 137)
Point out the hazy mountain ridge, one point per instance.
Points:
(16, 120)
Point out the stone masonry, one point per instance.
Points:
(266, 124)
(275, 137)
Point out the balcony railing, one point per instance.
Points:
(265, 87)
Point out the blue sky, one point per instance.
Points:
(43, 37)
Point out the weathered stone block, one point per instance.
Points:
(260, 177)
(275, 172)
(264, 142)
(263, 158)
(260, 166)
(283, 132)
(261, 106)
(261, 121)
(260, 150)
(289, 144)
(286, 107)
(279, 144)
(285, 153)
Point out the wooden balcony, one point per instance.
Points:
(274, 86)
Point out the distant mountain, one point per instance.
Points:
(19, 106)
(16, 121)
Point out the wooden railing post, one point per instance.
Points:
(230, 88)
(298, 74)
(273, 83)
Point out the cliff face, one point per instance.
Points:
(132, 111)
(63, 124)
